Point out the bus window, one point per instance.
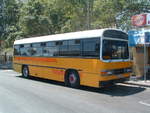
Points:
(74, 48)
(115, 49)
(63, 49)
(46, 51)
(16, 50)
(36, 49)
(36, 45)
(25, 51)
(91, 47)
(51, 49)
(50, 44)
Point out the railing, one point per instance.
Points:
(6, 61)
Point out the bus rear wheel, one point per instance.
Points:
(25, 71)
(72, 79)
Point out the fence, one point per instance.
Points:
(5, 61)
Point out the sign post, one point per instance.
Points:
(145, 62)
(142, 21)
(146, 42)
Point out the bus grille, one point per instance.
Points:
(121, 71)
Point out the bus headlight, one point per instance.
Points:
(106, 72)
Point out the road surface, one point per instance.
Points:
(20, 95)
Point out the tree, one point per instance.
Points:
(9, 20)
(41, 17)
(2, 18)
(130, 8)
(117, 13)
(78, 12)
(44, 17)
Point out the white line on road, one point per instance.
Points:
(146, 104)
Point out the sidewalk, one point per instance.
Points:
(139, 82)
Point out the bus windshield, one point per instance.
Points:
(115, 50)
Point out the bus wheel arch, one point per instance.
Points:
(25, 71)
(72, 78)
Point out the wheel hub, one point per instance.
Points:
(72, 78)
(25, 72)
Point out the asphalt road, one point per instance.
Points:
(19, 95)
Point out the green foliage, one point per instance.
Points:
(130, 8)
(44, 17)
(39, 17)
(9, 18)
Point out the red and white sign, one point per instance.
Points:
(139, 20)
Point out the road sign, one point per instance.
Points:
(141, 20)
(147, 37)
(135, 37)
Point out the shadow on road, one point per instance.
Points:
(116, 90)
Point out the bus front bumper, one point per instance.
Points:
(111, 82)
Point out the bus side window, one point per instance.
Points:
(74, 47)
(91, 47)
(55, 49)
(46, 51)
(51, 49)
(25, 50)
(36, 49)
(63, 48)
(16, 50)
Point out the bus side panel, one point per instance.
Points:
(47, 73)
(40, 67)
(88, 79)
(17, 68)
(50, 68)
(16, 65)
(54, 68)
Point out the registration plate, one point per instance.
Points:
(120, 76)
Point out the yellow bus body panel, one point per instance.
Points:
(54, 68)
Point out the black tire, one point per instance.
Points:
(72, 79)
(25, 71)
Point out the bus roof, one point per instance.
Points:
(64, 36)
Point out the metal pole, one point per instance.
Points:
(145, 59)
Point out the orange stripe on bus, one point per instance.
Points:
(58, 72)
(36, 59)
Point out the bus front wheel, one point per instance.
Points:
(25, 71)
(72, 79)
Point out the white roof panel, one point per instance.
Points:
(65, 36)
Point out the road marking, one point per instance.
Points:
(146, 104)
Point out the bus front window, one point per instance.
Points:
(115, 50)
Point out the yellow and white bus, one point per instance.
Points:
(92, 58)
